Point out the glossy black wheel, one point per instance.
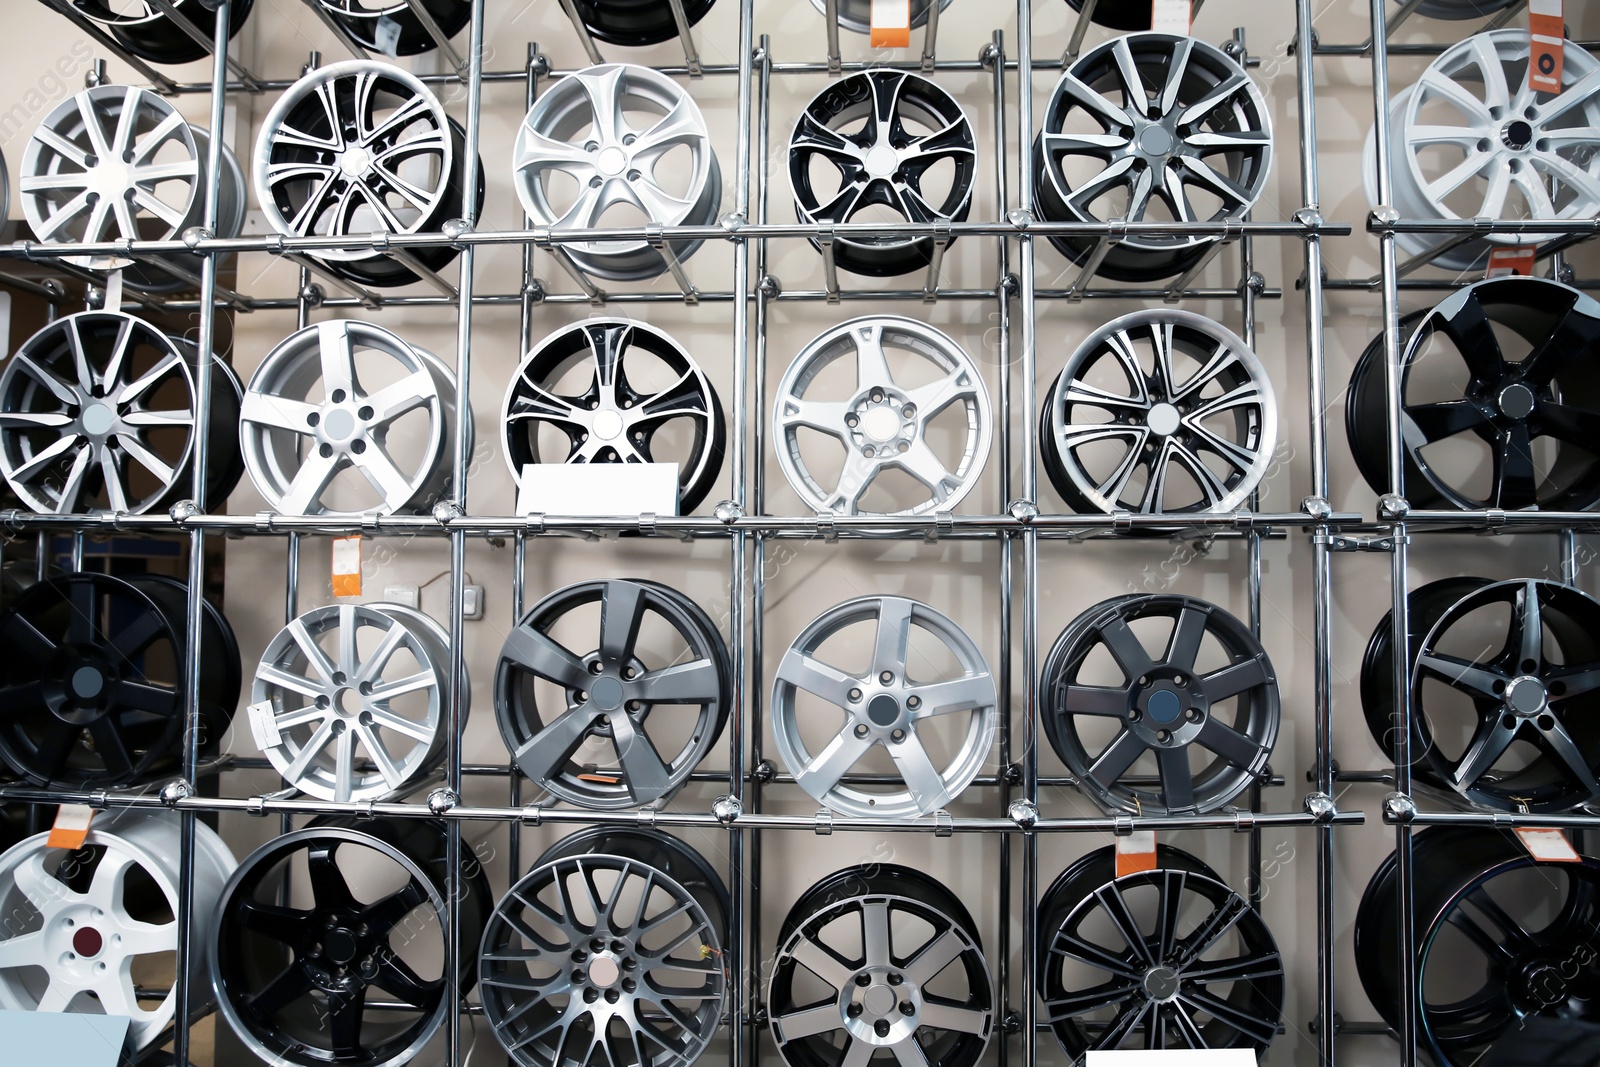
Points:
(147, 32)
(876, 959)
(636, 23)
(1205, 706)
(1461, 10)
(221, 668)
(1122, 15)
(616, 391)
(363, 19)
(883, 140)
(1500, 937)
(293, 980)
(1169, 958)
(1501, 408)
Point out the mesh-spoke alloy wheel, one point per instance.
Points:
(636, 23)
(1159, 411)
(1164, 959)
(885, 705)
(364, 919)
(97, 411)
(608, 953)
(880, 140)
(617, 136)
(1471, 140)
(117, 162)
(345, 418)
(93, 929)
(91, 681)
(1150, 127)
(395, 19)
(358, 148)
(880, 958)
(146, 31)
(1205, 707)
(931, 428)
(616, 391)
(626, 713)
(1500, 405)
(348, 678)
(856, 15)
(1500, 937)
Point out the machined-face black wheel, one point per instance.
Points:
(636, 23)
(1500, 405)
(366, 920)
(364, 19)
(147, 32)
(1500, 937)
(1164, 959)
(880, 959)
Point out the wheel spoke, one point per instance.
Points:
(822, 774)
(1183, 647)
(922, 778)
(699, 682)
(815, 677)
(822, 962)
(1557, 742)
(620, 615)
(961, 694)
(538, 653)
(1435, 422)
(1177, 781)
(542, 756)
(1125, 647)
(1463, 674)
(328, 885)
(1114, 761)
(1235, 679)
(645, 775)
(1238, 749)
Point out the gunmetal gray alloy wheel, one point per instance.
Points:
(397, 22)
(345, 418)
(597, 140)
(617, 714)
(360, 148)
(149, 33)
(1159, 411)
(908, 449)
(876, 959)
(1150, 127)
(883, 139)
(1205, 707)
(608, 953)
(616, 391)
(91, 930)
(892, 703)
(347, 679)
(1470, 139)
(856, 15)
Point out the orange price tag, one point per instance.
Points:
(1136, 852)
(1171, 16)
(891, 23)
(347, 565)
(1512, 262)
(71, 826)
(1548, 846)
(1547, 28)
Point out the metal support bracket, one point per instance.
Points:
(941, 241)
(823, 825)
(691, 54)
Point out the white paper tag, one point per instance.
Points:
(386, 35)
(595, 489)
(891, 24)
(1171, 16)
(113, 291)
(1548, 846)
(71, 826)
(264, 725)
(1136, 852)
(347, 565)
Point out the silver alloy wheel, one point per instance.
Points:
(608, 129)
(856, 15)
(75, 929)
(1472, 140)
(1153, 393)
(310, 416)
(884, 705)
(327, 684)
(883, 426)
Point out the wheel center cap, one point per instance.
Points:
(87, 942)
(1516, 135)
(881, 424)
(1545, 985)
(879, 1000)
(1161, 983)
(1516, 401)
(339, 424)
(611, 161)
(882, 161)
(604, 971)
(340, 946)
(355, 162)
(1163, 420)
(883, 709)
(607, 425)
(1155, 141)
(87, 683)
(1525, 696)
(98, 419)
(1164, 706)
(606, 694)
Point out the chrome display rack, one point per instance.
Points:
(1021, 527)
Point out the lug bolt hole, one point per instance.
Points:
(863, 980)
(887, 677)
(855, 694)
(1547, 722)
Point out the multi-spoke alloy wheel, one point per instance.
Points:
(937, 727)
(1205, 708)
(1503, 692)
(1159, 411)
(146, 31)
(365, 917)
(98, 409)
(358, 148)
(1150, 127)
(1473, 140)
(94, 929)
(617, 136)
(608, 954)
(883, 139)
(914, 437)
(321, 436)
(398, 22)
(609, 693)
(91, 681)
(348, 678)
(1164, 959)
(116, 162)
(1500, 937)
(856, 15)
(635, 23)
(880, 958)
(616, 391)
(1500, 408)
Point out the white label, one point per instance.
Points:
(891, 14)
(1171, 16)
(347, 555)
(1548, 846)
(386, 35)
(1175, 1057)
(114, 291)
(264, 725)
(595, 489)
(1545, 7)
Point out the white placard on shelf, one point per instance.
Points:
(594, 489)
(1173, 1057)
(81, 1039)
